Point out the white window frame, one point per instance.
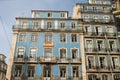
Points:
(93, 60)
(74, 40)
(65, 38)
(23, 52)
(60, 53)
(105, 62)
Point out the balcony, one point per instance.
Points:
(103, 69)
(94, 50)
(38, 29)
(94, 10)
(100, 34)
(75, 60)
(98, 21)
(19, 60)
(44, 59)
(62, 60)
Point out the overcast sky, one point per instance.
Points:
(9, 9)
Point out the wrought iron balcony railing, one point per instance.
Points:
(102, 49)
(95, 10)
(52, 28)
(114, 68)
(103, 21)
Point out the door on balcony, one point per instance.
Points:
(89, 45)
(47, 54)
(100, 45)
(47, 72)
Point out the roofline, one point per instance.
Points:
(93, 4)
(47, 18)
(48, 11)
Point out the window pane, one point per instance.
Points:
(33, 52)
(74, 53)
(31, 71)
(22, 37)
(48, 37)
(62, 53)
(20, 52)
(47, 52)
(18, 70)
(74, 38)
(62, 71)
(62, 37)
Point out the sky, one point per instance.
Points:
(9, 9)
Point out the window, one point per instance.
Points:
(73, 25)
(63, 71)
(87, 29)
(47, 52)
(47, 71)
(106, 19)
(86, 18)
(109, 29)
(62, 37)
(63, 53)
(33, 52)
(92, 77)
(100, 45)
(48, 37)
(94, 9)
(89, 45)
(36, 15)
(74, 53)
(111, 45)
(22, 37)
(116, 76)
(18, 70)
(49, 14)
(31, 71)
(73, 37)
(102, 62)
(49, 25)
(21, 52)
(34, 37)
(62, 25)
(75, 71)
(62, 15)
(36, 25)
(24, 25)
(115, 62)
(104, 77)
(98, 30)
(90, 61)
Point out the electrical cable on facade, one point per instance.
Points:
(5, 31)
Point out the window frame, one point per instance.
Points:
(18, 66)
(65, 53)
(35, 37)
(76, 40)
(34, 71)
(22, 37)
(33, 47)
(23, 52)
(49, 14)
(62, 37)
(105, 62)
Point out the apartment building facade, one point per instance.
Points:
(46, 47)
(101, 41)
(3, 67)
(52, 46)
